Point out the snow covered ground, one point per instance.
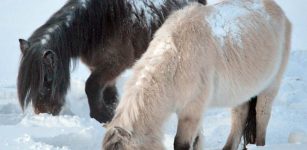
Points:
(74, 130)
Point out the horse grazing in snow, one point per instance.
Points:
(108, 36)
(222, 54)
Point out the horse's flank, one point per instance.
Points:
(202, 57)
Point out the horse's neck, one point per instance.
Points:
(143, 108)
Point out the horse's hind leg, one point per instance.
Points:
(265, 99)
(188, 129)
(238, 120)
(263, 110)
(264, 107)
(263, 114)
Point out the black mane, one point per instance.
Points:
(82, 24)
(74, 28)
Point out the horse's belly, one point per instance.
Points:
(243, 79)
(231, 99)
(234, 90)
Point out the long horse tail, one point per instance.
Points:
(249, 132)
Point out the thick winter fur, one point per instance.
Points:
(200, 58)
(107, 35)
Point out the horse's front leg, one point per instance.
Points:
(188, 134)
(98, 87)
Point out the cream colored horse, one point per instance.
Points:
(223, 54)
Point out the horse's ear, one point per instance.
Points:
(49, 57)
(116, 138)
(23, 45)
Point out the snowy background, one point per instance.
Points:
(74, 130)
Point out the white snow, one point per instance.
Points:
(83, 3)
(225, 19)
(74, 130)
(43, 41)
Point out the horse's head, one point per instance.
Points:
(38, 78)
(117, 138)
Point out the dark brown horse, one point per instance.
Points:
(108, 36)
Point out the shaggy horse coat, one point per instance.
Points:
(107, 35)
(223, 54)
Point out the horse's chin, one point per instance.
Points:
(45, 104)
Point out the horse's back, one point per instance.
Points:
(240, 43)
(238, 54)
(250, 47)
